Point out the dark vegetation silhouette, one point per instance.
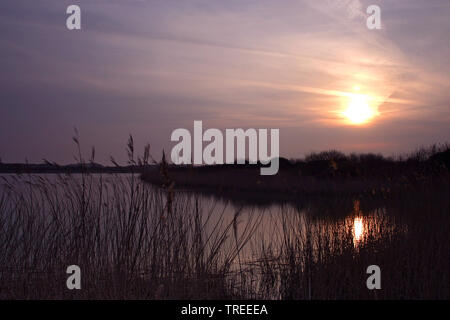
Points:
(135, 241)
(329, 173)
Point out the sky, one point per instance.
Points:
(147, 67)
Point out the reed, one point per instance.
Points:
(134, 241)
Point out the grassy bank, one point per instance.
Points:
(331, 174)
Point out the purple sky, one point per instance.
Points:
(148, 67)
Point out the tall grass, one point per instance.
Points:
(130, 240)
(135, 241)
(121, 234)
(409, 241)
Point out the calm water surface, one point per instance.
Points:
(265, 226)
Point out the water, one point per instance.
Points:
(268, 221)
(251, 232)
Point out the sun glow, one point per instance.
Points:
(359, 110)
(358, 229)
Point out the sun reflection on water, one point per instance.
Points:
(358, 230)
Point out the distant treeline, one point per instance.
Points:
(323, 173)
(333, 163)
(23, 168)
(337, 164)
(326, 164)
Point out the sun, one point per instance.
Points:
(358, 110)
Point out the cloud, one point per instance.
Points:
(153, 66)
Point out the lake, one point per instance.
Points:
(178, 238)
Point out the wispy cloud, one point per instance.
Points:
(152, 66)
